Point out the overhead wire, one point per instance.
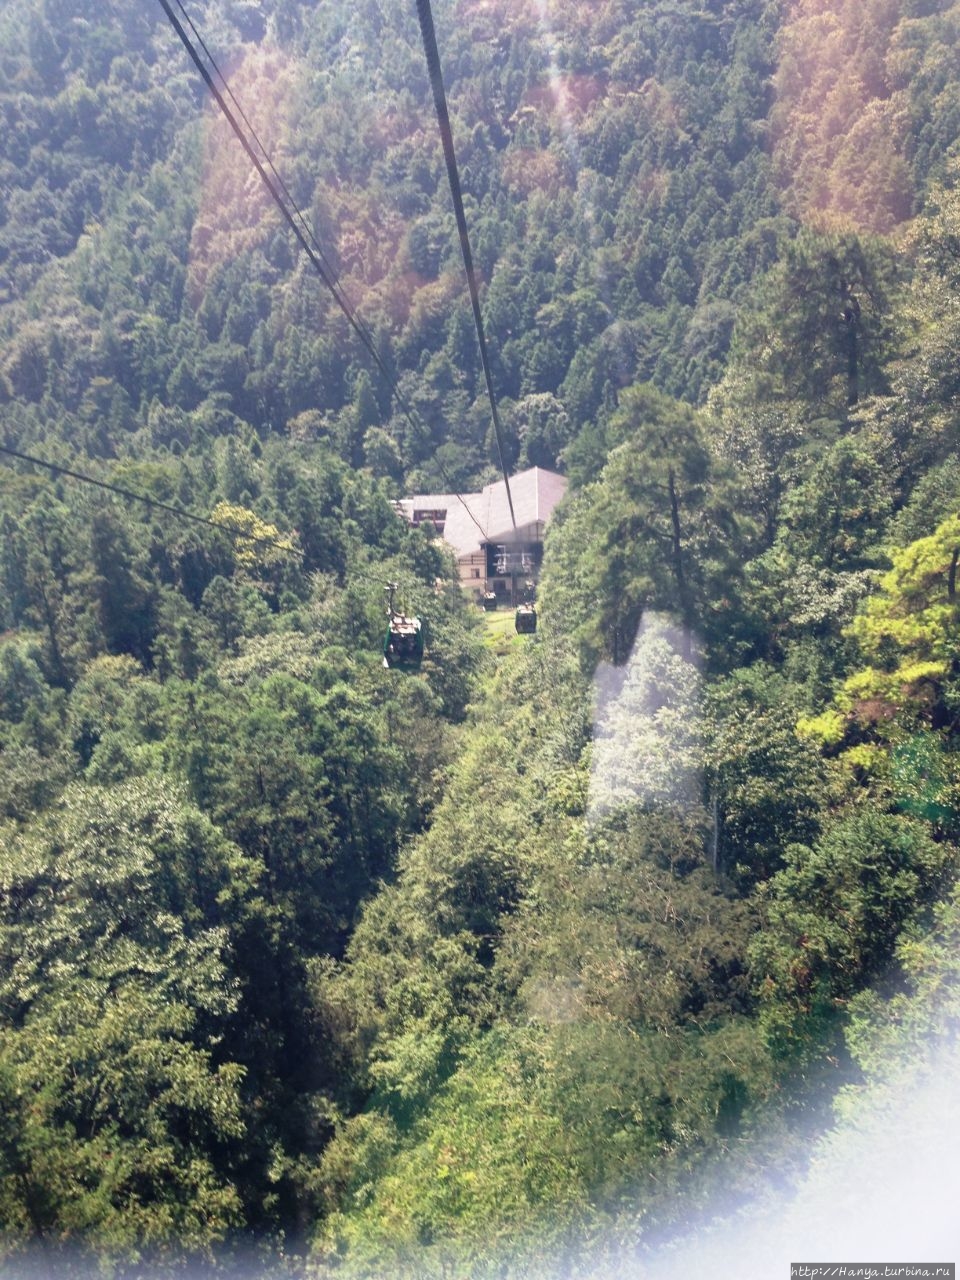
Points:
(181, 512)
(334, 284)
(429, 36)
(132, 495)
(308, 241)
(316, 259)
(300, 227)
(281, 544)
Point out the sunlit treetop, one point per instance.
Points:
(255, 541)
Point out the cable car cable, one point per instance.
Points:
(404, 641)
(407, 630)
(304, 236)
(263, 150)
(57, 469)
(265, 177)
(303, 233)
(429, 36)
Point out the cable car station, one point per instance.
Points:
(498, 565)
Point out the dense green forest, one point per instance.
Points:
(517, 961)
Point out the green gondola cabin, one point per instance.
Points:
(403, 643)
(526, 620)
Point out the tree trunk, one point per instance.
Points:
(678, 567)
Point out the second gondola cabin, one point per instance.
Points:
(403, 643)
(526, 620)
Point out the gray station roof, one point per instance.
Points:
(535, 493)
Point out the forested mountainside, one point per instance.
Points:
(519, 958)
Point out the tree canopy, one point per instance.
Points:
(473, 970)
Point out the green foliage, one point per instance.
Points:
(255, 541)
(544, 1130)
(656, 531)
(116, 992)
(769, 788)
(458, 960)
(914, 1021)
(832, 918)
(821, 325)
(834, 517)
(905, 630)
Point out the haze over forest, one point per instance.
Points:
(517, 962)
